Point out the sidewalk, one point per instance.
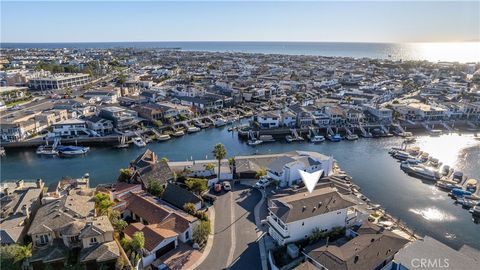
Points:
(208, 247)
(260, 232)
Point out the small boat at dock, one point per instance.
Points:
(446, 185)
(70, 150)
(139, 142)
(471, 185)
(334, 138)
(46, 150)
(2, 151)
(351, 137)
(163, 137)
(420, 171)
(254, 142)
(435, 132)
(220, 122)
(402, 155)
(179, 133)
(317, 139)
(193, 129)
(266, 138)
(409, 140)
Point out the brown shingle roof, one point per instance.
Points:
(366, 251)
(147, 209)
(305, 205)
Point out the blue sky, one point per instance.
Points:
(358, 21)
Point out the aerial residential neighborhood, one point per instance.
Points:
(240, 135)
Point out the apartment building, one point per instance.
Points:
(58, 81)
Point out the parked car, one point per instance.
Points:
(262, 183)
(218, 188)
(209, 198)
(227, 186)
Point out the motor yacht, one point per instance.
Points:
(70, 150)
(139, 142)
(317, 139)
(422, 172)
(163, 137)
(351, 137)
(193, 129)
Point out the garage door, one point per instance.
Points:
(165, 249)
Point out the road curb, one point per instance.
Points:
(261, 243)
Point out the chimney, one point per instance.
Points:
(39, 183)
(20, 183)
(25, 211)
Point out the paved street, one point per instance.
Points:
(234, 243)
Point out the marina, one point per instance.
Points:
(425, 208)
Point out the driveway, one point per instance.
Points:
(234, 245)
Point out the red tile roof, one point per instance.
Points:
(153, 234)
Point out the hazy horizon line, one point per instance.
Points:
(237, 41)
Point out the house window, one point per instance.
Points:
(93, 240)
(303, 223)
(187, 235)
(43, 239)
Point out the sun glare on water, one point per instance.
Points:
(450, 52)
(433, 214)
(448, 149)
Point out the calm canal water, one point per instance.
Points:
(423, 207)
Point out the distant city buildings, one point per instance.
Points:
(58, 81)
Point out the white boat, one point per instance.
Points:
(139, 142)
(219, 122)
(422, 172)
(254, 142)
(352, 137)
(193, 129)
(163, 137)
(317, 139)
(179, 133)
(2, 151)
(435, 132)
(69, 150)
(46, 150)
(267, 138)
(401, 155)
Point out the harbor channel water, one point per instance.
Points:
(423, 207)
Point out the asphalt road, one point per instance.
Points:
(234, 245)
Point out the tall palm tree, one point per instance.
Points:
(219, 152)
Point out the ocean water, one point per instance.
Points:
(434, 52)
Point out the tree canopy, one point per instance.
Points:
(154, 187)
(197, 185)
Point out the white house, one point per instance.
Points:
(294, 217)
(268, 119)
(285, 169)
(289, 119)
(70, 127)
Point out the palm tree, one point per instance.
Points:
(219, 152)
